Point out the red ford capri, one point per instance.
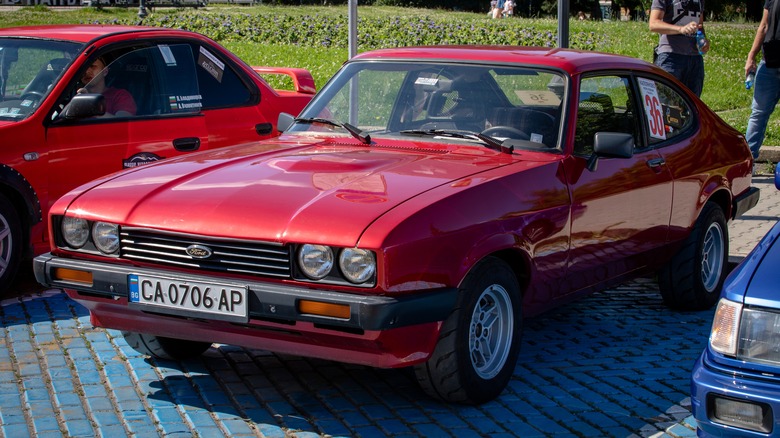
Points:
(80, 102)
(423, 204)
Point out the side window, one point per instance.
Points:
(668, 114)
(605, 105)
(146, 81)
(220, 86)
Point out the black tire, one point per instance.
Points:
(472, 363)
(165, 348)
(693, 278)
(11, 247)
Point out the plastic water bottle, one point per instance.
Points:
(749, 79)
(701, 41)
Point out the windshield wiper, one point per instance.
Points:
(490, 142)
(355, 131)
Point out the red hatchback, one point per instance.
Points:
(79, 102)
(424, 203)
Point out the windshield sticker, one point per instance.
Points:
(540, 97)
(184, 103)
(140, 159)
(652, 104)
(167, 55)
(426, 81)
(211, 64)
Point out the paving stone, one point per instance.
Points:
(616, 363)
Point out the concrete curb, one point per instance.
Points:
(769, 154)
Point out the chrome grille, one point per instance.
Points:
(236, 256)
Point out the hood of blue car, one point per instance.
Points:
(756, 278)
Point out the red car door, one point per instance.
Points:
(621, 208)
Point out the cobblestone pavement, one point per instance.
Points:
(614, 364)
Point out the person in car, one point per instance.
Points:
(119, 102)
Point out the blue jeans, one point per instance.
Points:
(688, 69)
(766, 93)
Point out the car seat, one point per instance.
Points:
(133, 73)
(596, 113)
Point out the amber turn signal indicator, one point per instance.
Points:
(64, 274)
(324, 309)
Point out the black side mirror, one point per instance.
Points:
(83, 106)
(611, 145)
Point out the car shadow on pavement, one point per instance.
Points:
(614, 364)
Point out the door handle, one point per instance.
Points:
(264, 128)
(187, 144)
(655, 163)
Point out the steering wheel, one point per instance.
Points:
(32, 95)
(506, 131)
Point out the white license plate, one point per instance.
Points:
(220, 301)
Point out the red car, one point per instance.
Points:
(424, 203)
(79, 102)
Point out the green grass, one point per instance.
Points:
(314, 38)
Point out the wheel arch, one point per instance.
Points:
(721, 198)
(505, 249)
(21, 194)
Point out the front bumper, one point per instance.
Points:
(711, 381)
(381, 331)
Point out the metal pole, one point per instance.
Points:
(141, 9)
(563, 24)
(352, 4)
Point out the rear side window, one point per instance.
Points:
(220, 85)
(668, 114)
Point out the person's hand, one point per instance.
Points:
(689, 29)
(750, 65)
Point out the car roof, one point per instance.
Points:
(573, 61)
(72, 32)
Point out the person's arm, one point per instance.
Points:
(659, 26)
(750, 64)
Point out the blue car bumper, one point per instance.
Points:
(732, 402)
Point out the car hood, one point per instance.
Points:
(754, 281)
(762, 290)
(304, 192)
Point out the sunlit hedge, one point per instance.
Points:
(373, 32)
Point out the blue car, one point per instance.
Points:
(735, 384)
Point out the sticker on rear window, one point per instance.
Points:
(167, 55)
(211, 64)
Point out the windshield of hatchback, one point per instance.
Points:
(517, 106)
(29, 69)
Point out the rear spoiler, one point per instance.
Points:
(302, 79)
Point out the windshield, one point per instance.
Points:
(517, 105)
(28, 71)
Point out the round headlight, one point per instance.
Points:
(106, 237)
(357, 265)
(75, 231)
(315, 261)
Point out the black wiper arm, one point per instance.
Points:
(355, 131)
(490, 142)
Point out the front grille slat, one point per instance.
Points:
(235, 256)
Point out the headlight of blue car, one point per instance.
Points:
(746, 333)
